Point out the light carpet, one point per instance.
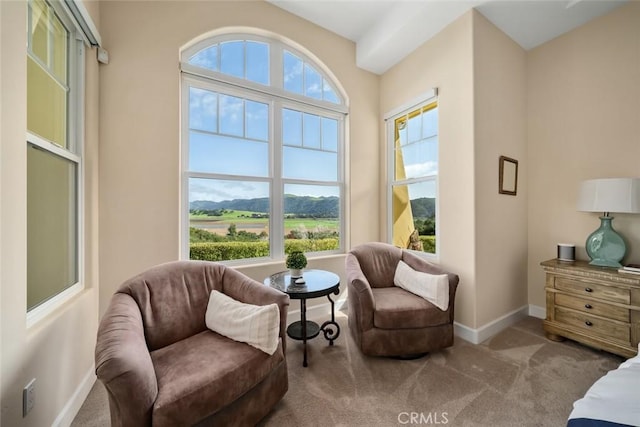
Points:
(516, 378)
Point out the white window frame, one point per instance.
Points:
(390, 118)
(74, 153)
(277, 98)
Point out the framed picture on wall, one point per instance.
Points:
(508, 180)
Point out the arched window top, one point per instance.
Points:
(244, 59)
(264, 63)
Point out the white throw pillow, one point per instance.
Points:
(256, 325)
(432, 287)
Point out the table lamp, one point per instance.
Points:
(605, 246)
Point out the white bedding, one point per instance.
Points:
(614, 397)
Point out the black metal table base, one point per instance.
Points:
(331, 330)
(295, 330)
(304, 329)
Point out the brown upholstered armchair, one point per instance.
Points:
(386, 320)
(160, 364)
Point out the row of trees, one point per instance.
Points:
(209, 212)
(298, 206)
(221, 212)
(222, 251)
(425, 227)
(198, 235)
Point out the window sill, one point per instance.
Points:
(44, 310)
(426, 255)
(271, 262)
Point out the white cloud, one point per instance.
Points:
(421, 169)
(206, 58)
(294, 72)
(217, 191)
(203, 105)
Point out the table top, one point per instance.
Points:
(317, 283)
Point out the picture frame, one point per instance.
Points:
(508, 176)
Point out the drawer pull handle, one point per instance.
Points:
(588, 306)
(588, 323)
(588, 290)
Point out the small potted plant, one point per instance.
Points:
(296, 261)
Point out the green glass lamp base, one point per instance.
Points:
(605, 246)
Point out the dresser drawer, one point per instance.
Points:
(593, 324)
(598, 308)
(594, 290)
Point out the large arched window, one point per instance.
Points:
(262, 150)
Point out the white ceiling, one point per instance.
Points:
(385, 31)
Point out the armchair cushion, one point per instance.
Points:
(191, 387)
(256, 325)
(432, 287)
(399, 309)
(160, 364)
(386, 320)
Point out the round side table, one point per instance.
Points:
(318, 283)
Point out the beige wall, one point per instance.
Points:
(445, 62)
(58, 350)
(577, 99)
(583, 92)
(480, 76)
(139, 126)
(500, 129)
(2, 88)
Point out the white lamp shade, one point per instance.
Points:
(610, 195)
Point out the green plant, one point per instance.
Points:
(296, 260)
(225, 250)
(428, 244)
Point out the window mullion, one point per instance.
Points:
(50, 40)
(277, 188)
(75, 97)
(244, 58)
(184, 179)
(342, 212)
(225, 177)
(415, 180)
(53, 148)
(48, 70)
(235, 82)
(276, 69)
(29, 27)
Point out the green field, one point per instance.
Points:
(229, 216)
(243, 218)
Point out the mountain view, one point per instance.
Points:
(319, 207)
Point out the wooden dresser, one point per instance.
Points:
(596, 306)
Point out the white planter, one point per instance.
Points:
(296, 273)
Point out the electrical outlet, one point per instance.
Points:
(28, 397)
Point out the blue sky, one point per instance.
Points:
(230, 135)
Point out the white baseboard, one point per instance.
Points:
(476, 336)
(464, 332)
(70, 410)
(537, 311)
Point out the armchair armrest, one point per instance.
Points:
(124, 365)
(360, 295)
(244, 289)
